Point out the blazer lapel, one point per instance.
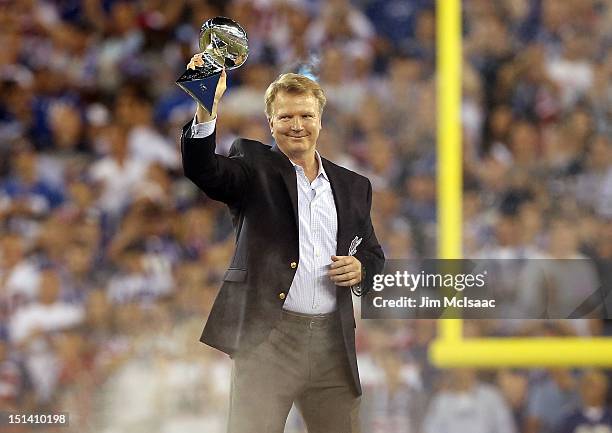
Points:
(289, 178)
(341, 192)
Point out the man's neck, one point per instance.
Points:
(309, 163)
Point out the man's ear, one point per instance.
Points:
(271, 125)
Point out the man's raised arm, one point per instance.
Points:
(221, 178)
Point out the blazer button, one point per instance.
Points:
(282, 295)
(293, 265)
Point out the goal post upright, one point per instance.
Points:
(451, 349)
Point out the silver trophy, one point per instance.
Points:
(224, 44)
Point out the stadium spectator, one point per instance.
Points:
(594, 414)
(118, 172)
(550, 401)
(468, 405)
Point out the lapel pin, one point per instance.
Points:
(354, 244)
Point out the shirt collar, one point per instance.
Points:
(319, 161)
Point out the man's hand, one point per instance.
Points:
(201, 113)
(345, 271)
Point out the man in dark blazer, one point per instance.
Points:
(304, 242)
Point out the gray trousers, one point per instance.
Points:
(303, 361)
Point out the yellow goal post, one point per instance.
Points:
(451, 349)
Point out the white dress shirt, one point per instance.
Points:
(312, 291)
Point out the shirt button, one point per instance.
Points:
(282, 295)
(293, 265)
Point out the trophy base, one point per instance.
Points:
(201, 88)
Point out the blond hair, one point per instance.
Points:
(296, 84)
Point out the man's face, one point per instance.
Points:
(295, 123)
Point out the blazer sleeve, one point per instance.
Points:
(370, 254)
(223, 178)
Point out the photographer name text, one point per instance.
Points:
(427, 302)
(410, 282)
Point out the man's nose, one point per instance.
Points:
(296, 125)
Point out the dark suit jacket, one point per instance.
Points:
(258, 183)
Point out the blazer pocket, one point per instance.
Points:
(235, 275)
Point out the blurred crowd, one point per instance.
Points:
(110, 259)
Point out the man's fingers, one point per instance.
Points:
(342, 270)
(195, 61)
(349, 283)
(345, 271)
(344, 277)
(339, 261)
